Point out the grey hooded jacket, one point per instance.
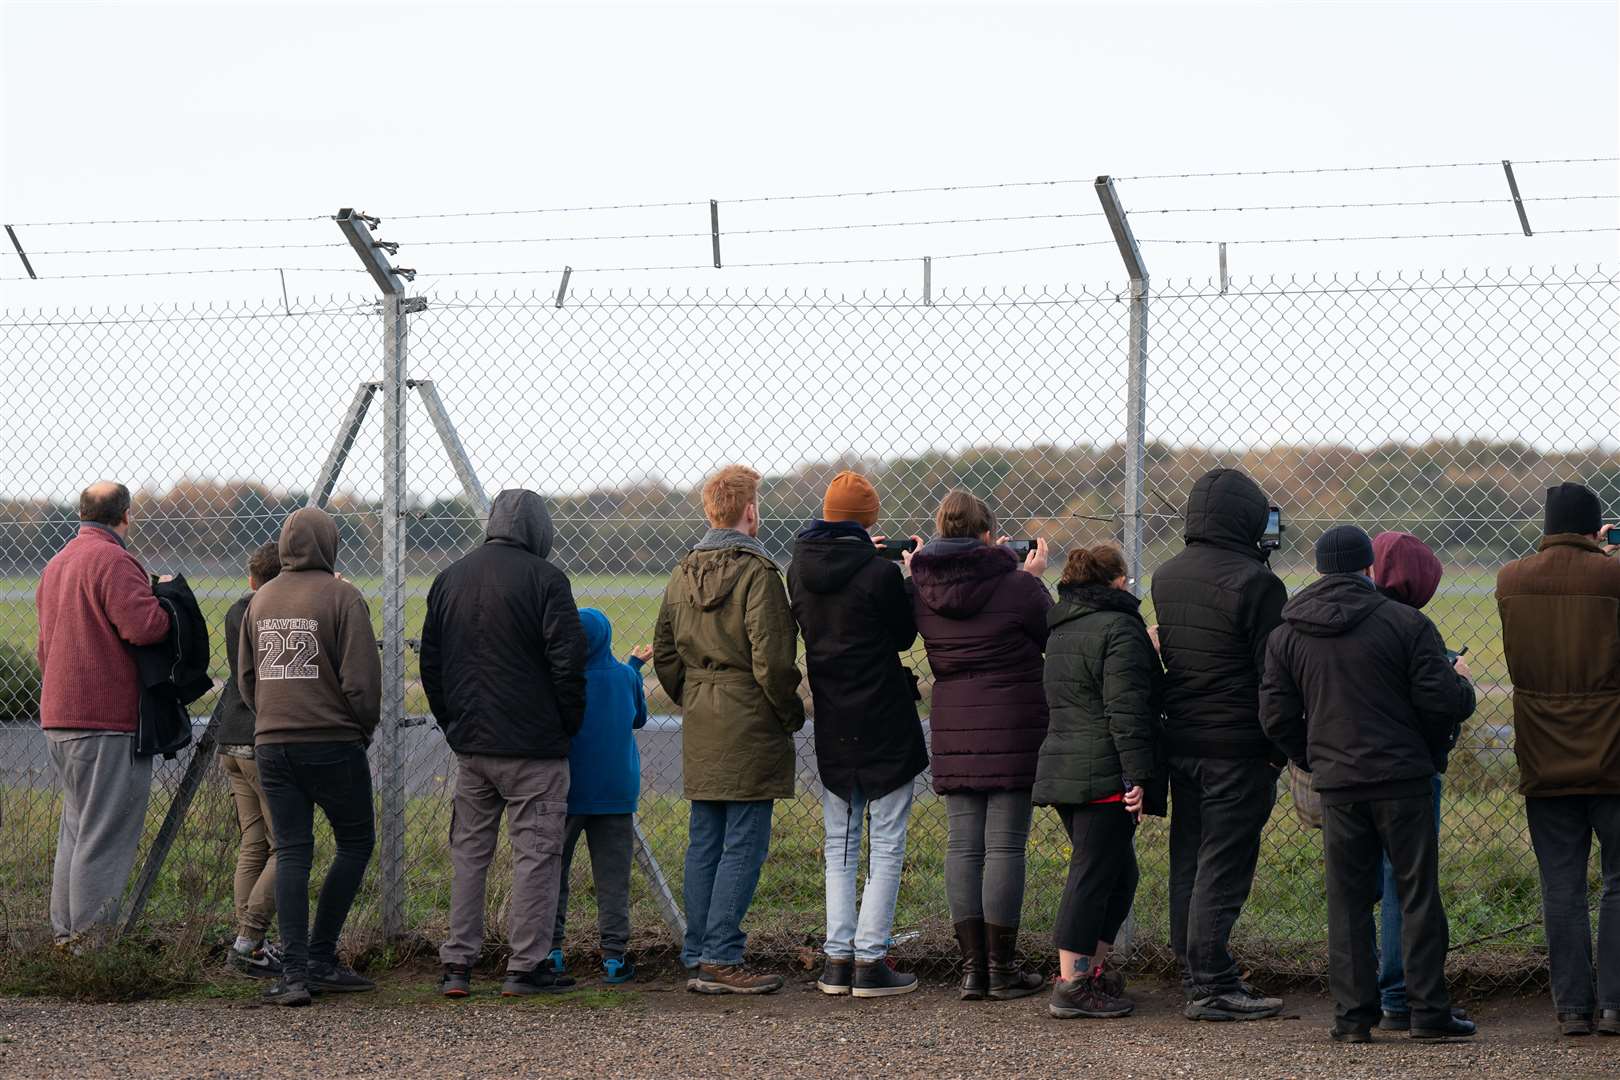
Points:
(503, 653)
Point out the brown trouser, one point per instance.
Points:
(256, 857)
(533, 792)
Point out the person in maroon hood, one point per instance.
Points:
(984, 625)
(1408, 572)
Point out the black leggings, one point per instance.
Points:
(1102, 876)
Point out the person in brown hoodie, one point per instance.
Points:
(1560, 613)
(312, 675)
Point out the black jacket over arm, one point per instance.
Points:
(503, 652)
(1359, 691)
(854, 610)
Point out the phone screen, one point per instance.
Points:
(1272, 538)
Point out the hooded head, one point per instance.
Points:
(1226, 507)
(309, 541)
(1405, 569)
(519, 516)
(598, 635)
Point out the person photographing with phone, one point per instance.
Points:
(1104, 688)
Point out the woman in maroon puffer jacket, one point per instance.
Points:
(983, 620)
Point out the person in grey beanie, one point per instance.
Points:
(1360, 693)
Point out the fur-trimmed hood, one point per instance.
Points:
(957, 576)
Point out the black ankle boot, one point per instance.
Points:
(1008, 979)
(975, 959)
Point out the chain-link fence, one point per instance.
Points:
(1441, 406)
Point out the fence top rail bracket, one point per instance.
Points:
(356, 229)
(1114, 211)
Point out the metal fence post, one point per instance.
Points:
(390, 772)
(1136, 356)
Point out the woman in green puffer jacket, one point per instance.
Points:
(1100, 756)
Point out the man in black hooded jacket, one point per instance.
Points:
(1382, 700)
(1216, 603)
(503, 665)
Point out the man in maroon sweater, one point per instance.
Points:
(95, 601)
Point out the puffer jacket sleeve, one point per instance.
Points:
(429, 655)
(1442, 698)
(1037, 601)
(1128, 691)
(1266, 600)
(565, 651)
(1282, 707)
(773, 638)
(899, 614)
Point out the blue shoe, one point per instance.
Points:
(617, 969)
(554, 960)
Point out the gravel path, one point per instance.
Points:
(658, 1029)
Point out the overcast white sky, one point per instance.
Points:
(133, 110)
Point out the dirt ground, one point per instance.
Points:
(656, 1028)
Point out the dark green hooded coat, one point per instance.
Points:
(1104, 688)
(726, 651)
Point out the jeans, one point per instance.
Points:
(984, 857)
(533, 795)
(105, 789)
(1219, 806)
(1353, 835)
(726, 847)
(1391, 970)
(867, 939)
(1561, 830)
(1102, 876)
(612, 840)
(298, 777)
(255, 882)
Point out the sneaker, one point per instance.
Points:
(733, 979)
(287, 992)
(1233, 1005)
(337, 979)
(260, 962)
(1086, 997)
(1609, 1022)
(837, 974)
(539, 981)
(1402, 1021)
(618, 969)
(1452, 1029)
(1351, 1034)
(554, 960)
(878, 978)
(456, 982)
(1574, 1024)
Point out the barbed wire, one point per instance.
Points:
(205, 270)
(198, 247)
(1388, 236)
(1359, 205)
(1365, 168)
(171, 221)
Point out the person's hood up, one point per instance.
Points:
(713, 573)
(598, 636)
(957, 576)
(1078, 601)
(308, 541)
(1405, 569)
(829, 553)
(519, 516)
(1332, 605)
(1225, 507)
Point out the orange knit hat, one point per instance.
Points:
(851, 497)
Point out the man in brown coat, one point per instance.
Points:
(726, 651)
(1560, 613)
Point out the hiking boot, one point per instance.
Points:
(555, 961)
(1609, 1022)
(542, 980)
(1086, 997)
(263, 961)
(1008, 979)
(877, 978)
(456, 982)
(1574, 1024)
(1451, 1029)
(1402, 1021)
(975, 959)
(1351, 1033)
(1233, 1005)
(337, 979)
(618, 969)
(733, 979)
(837, 975)
(286, 991)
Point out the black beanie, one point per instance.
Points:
(1344, 549)
(1573, 508)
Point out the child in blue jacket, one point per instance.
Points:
(603, 789)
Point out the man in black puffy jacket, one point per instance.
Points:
(503, 664)
(1382, 700)
(1216, 603)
